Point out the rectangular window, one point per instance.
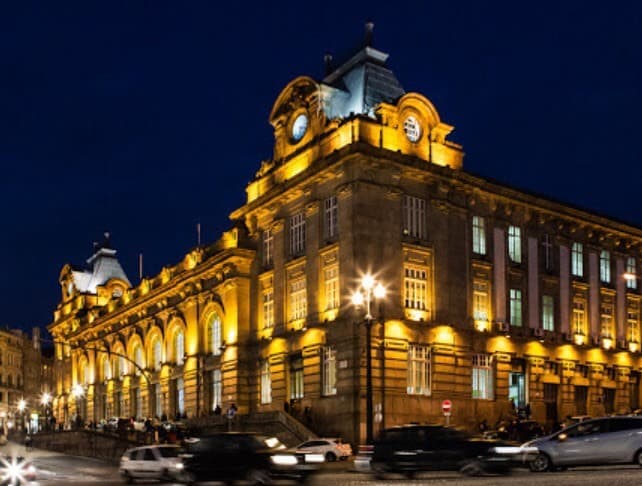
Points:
(515, 307)
(418, 370)
(577, 260)
(268, 247)
(633, 324)
(415, 288)
(483, 377)
(330, 214)
(578, 317)
(297, 234)
(331, 276)
(158, 400)
(606, 321)
(268, 308)
(631, 273)
(547, 244)
(414, 217)
(266, 383)
(515, 244)
(329, 371)
(479, 235)
(605, 266)
(480, 301)
(296, 378)
(217, 389)
(298, 304)
(180, 396)
(548, 313)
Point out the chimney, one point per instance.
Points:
(327, 62)
(369, 34)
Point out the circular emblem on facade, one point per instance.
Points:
(299, 127)
(412, 128)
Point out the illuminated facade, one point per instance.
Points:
(492, 294)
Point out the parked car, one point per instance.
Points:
(331, 449)
(607, 440)
(151, 462)
(15, 470)
(412, 448)
(244, 456)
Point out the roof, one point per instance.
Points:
(103, 267)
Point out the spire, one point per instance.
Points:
(367, 41)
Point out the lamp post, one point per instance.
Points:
(368, 290)
(22, 405)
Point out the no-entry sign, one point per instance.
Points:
(446, 406)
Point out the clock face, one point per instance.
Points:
(299, 127)
(412, 128)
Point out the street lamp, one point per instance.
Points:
(369, 289)
(22, 405)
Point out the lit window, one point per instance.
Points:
(633, 322)
(415, 288)
(268, 308)
(179, 347)
(138, 359)
(156, 349)
(605, 266)
(106, 369)
(577, 260)
(331, 275)
(266, 383)
(296, 378)
(297, 234)
(480, 301)
(214, 334)
(329, 371)
(298, 303)
(515, 244)
(606, 321)
(515, 307)
(414, 217)
(217, 388)
(180, 395)
(330, 213)
(418, 370)
(548, 313)
(483, 377)
(268, 247)
(158, 399)
(479, 235)
(632, 281)
(578, 317)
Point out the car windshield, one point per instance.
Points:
(169, 451)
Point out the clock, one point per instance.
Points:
(299, 127)
(412, 128)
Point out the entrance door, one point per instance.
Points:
(634, 390)
(609, 400)
(517, 388)
(581, 395)
(550, 400)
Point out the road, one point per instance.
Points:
(59, 468)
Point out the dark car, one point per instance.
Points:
(413, 448)
(240, 456)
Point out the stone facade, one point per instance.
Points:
(494, 297)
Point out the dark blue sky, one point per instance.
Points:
(144, 118)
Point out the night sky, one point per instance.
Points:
(146, 118)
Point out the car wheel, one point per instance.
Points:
(186, 478)
(638, 458)
(472, 468)
(129, 479)
(541, 463)
(378, 470)
(330, 456)
(259, 477)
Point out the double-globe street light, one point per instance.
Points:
(368, 290)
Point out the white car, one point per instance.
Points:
(331, 449)
(151, 462)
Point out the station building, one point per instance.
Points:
(494, 297)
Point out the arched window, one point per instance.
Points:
(179, 346)
(138, 359)
(106, 369)
(214, 332)
(156, 353)
(122, 366)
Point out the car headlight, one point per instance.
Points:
(506, 450)
(284, 460)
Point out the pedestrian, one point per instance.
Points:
(217, 410)
(483, 426)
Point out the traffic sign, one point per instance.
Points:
(446, 406)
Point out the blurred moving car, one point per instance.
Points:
(15, 470)
(331, 449)
(151, 462)
(244, 456)
(409, 449)
(607, 440)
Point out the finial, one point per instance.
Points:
(369, 33)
